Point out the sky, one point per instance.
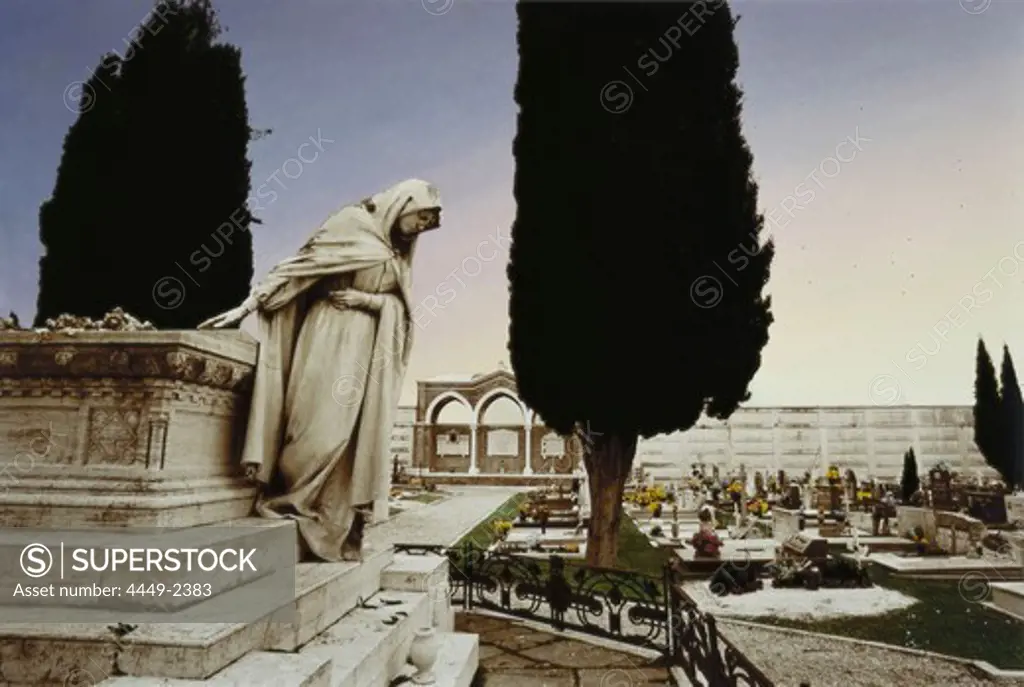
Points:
(886, 141)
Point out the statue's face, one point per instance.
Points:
(417, 222)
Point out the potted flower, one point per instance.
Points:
(502, 528)
(524, 512)
(923, 545)
(832, 475)
(655, 509)
(705, 542)
(735, 490)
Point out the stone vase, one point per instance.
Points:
(423, 655)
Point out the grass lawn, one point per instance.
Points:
(944, 621)
(483, 535)
(635, 551)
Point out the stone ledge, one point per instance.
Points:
(217, 359)
(258, 669)
(43, 653)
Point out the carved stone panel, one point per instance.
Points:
(113, 436)
(552, 445)
(452, 444)
(503, 442)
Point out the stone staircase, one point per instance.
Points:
(107, 435)
(347, 625)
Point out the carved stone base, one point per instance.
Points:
(118, 429)
(73, 497)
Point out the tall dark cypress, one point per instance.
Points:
(167, 231)
(631, 199)
(76, 271)
(988, 414)
(1012, 412)
(910, 481)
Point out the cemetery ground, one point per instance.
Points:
(942, 621)
(514, 653)
(889, 647)
(635, 554)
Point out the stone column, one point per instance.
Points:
(869, 432)
(730, 454)
(473, 469)
(777, 444)
(915, 440)
(823, 438)
(528, 450)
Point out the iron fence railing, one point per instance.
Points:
(626, 606)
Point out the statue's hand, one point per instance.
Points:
(227, 319)
(350, 298)
(251, 472)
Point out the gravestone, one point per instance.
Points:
(1015, 509)
(940, 485)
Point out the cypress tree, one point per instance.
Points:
(988, 415)
(167, 234)
(910, 482)
(628, 199)
(77, 268)
(1012, 413)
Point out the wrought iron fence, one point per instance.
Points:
(615, 604)
(701, 651)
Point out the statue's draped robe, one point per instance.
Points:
(328, 379)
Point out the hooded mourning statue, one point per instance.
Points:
(335, 335)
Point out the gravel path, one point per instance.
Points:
(789, 659)
(442, 522)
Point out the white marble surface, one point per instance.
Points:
(442, 522)
(800, 604)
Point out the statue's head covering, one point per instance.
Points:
(409, 196)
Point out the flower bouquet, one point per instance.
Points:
(832, 475)
(705, 542)
(502, 528)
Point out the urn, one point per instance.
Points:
(423, 655)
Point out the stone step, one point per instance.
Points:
(54, 496)
(427, 574)
(362, 649)
(457, 660)
(258, 669)
(358, 651)
(1008, 597)
(41, 653)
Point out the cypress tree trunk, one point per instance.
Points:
(609, 459)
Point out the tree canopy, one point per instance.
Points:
(639, 257)
(149, 210)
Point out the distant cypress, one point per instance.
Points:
(1012, 416)
(911, 480)
(988, 414)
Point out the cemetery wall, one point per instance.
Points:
(867, 439)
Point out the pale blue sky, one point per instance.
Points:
(865, 273)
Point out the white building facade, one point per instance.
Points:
(870, 440)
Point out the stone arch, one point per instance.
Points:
(434, 409)
(491, 395)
